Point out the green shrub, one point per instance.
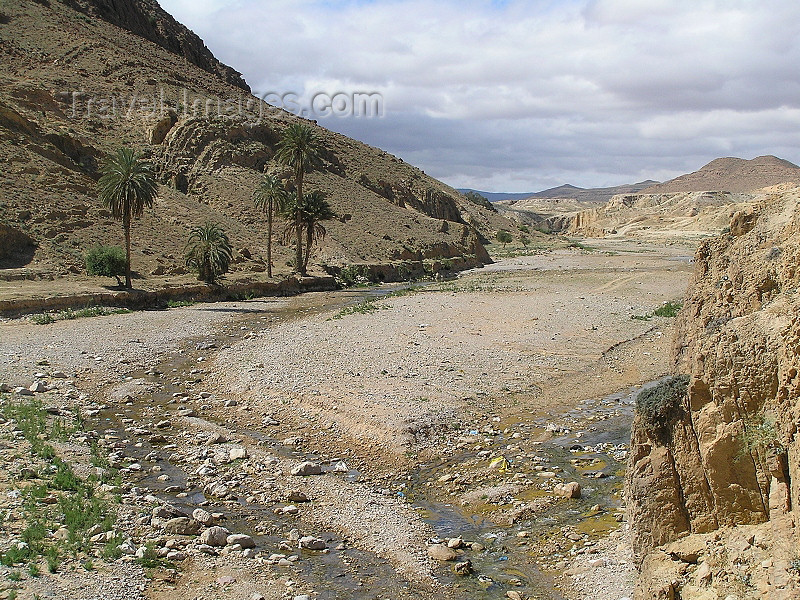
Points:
(106, 261)
(504, 237)
(669, 309)
(660, 406)
(354, 275)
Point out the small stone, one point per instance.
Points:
(237, 453)
(306, 468)
(514, 595)
(597, 562)
(441, 552)
(186, 412)
(245, 541)
(455, 543)
(216, 438)
(302, 597)
(164, 424)
(226, 580)
(290, 510)
(296, 496)
(38, 386)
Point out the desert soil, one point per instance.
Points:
(442, 399)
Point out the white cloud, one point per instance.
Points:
(528, 94)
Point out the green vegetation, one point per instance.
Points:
(362, 308)
(77, 506)
(180, 303)
(301, 149)
(668, 309)
(127, 185)
(271, 197)
(523, 228)
(354, 276)
(660, 406)
(760, 435)
(106, 261)
(209, 252)
(70, 314)
(580, 246)
(504, 237)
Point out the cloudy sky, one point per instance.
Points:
(517, 96)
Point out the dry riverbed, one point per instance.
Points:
(447, 423)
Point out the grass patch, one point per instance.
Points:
(668, 309)
(69, 314)
(180, 303)
(362, 308)
(77, 506)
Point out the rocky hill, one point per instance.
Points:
(732, 175)
(79, 81)
(714, 477)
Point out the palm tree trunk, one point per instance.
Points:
(309, 237)
(298, 226)
(269, 239)
(126, 224)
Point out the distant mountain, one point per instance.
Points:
(566, 191)
(496, 196)
(730, 174)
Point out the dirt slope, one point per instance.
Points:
(74, 87)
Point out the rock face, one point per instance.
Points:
(730, 456)
(147, 19)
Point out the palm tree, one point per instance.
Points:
(127, 186)
(209, 252)
(299, 149)
(271, 197)
(315, 208)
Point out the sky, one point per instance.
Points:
(520, 96)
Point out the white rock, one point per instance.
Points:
(306, 468)
(215, 536)
(245, 541)
(237, 453)
(309, 542)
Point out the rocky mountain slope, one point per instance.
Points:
(76, 87)
(714, 478)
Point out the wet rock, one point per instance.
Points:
(245, 541)
(215, 536)
(309, 542)
(296, 496)
(463, 568)
(455, 543)
(182, 526)
(306, 468)
(441, 552)
(568, 490)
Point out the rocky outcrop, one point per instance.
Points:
(731, 458)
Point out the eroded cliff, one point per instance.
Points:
(713, 485)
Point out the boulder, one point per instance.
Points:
(442, 552)
(215, 536)
(245, 541)
(182, 526)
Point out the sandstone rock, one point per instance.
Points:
(245, 541)
(441, 552)
(306, 468)
(215, 536)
